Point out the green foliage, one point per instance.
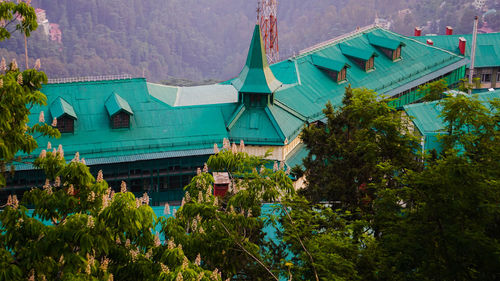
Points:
(433, 90)
(19, 92)
(10, 13)
(446, 217)
(326, 243)
(80, 229)
(228, 232)
(363, 144)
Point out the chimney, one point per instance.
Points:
(430, 42)
(418, 31)
(449, 30)
(461, 45)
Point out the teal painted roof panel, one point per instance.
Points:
(297, 156)
(355, 52)
(115, 104)
(256, 76)
(60, 107)
(166, 94)
(420, 63)
(255, 126)
(384, 42)
(487, 51)
(327, 63)
(156, 127)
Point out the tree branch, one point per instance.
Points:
(246, 251)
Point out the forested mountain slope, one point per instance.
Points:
(201, 39)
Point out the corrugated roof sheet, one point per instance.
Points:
(314, 88)
(359, 53)
(297, 156)
(327, 63)
(384, 42)
(156, 127)
(487, 51)
(115, 104)
(60, 107)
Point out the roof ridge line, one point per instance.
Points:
(275, 123)
(422, 43)
(290, 110)
(337, 39)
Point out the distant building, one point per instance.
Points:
(154, 137)
(55, 33)
(487, 62)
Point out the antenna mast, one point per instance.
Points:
(266, 16)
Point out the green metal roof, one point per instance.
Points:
(60, 107)
(297, 156)
(256, 76)
(428, 121)
(312, 88)
(156, 127)
(487, 51)
(358, 53)
(115, 104)
(327, 63)
(384, 42)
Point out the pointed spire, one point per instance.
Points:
(256, 76)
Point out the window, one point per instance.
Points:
(341, 76)
(498, 76)
(65, 125)
(396, 54)
(369, 64)
(485, 78)
(121, 120)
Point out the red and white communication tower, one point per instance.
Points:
(266, 15)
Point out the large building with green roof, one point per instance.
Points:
(155, 136)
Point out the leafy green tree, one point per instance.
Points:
(434, 90)
(19, 92)
(444, 223)
(325, 244)
(227, 233)
(80, 229)
(364, 144)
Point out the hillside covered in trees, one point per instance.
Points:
(202, 39)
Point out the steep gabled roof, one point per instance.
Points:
(384, 42)
(357, 53)
(256, 76)
(115, 104)
(329, 64)
(61, 107)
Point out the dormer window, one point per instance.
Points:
(120, 120)
(65, 115)
(119, 111)
(65, 125)
(396, 54)
(390, 47)
(335, 69)
(364, 58)
(369, 64)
